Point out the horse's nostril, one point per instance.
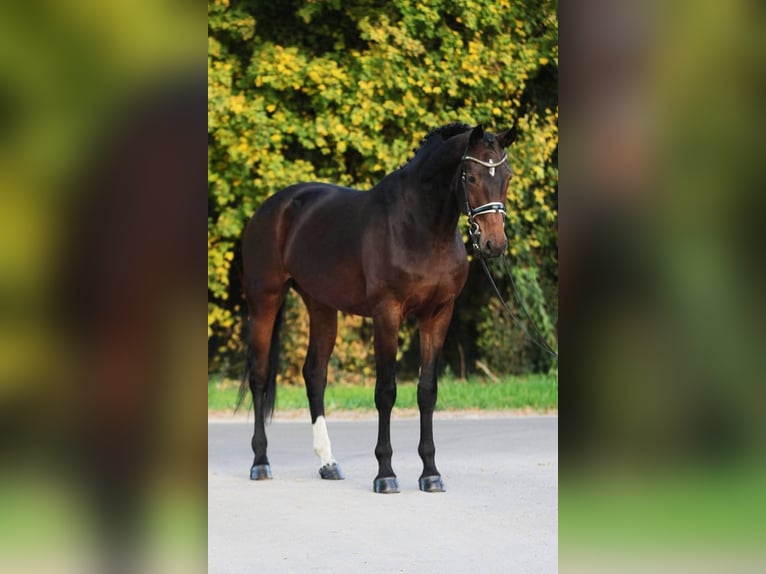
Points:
(493, 248)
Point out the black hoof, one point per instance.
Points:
(260, 472)
(431, 483)
(386, 485)
(331, 471)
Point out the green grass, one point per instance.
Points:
(535, 392)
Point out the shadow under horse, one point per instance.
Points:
(392, 252)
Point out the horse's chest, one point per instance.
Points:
(424, 289)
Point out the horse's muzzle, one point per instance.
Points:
(490, 248)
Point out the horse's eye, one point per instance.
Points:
(471, 179)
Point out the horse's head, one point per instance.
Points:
(484, 183)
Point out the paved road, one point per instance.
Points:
(499, 513)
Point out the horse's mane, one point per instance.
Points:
(444, 132)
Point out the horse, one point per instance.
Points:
(389, 253)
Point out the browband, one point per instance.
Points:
(486, 163)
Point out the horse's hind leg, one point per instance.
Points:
(264, 313)
(323, 328)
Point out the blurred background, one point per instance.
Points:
(662, 428)
(102, 205)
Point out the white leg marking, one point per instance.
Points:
(322, 441)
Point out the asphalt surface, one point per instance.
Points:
(499, 513)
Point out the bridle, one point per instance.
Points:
(475, 234)
(492, 207)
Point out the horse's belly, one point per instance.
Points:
(322, 249)
(332, 283)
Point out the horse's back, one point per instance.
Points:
(273, 218)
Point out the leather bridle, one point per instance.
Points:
(492, 207)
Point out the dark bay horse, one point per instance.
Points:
(388, 253)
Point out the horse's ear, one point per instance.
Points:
(476, 135)
(507, 137)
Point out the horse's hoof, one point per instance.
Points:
(260, 472)
(386, 485)
(331, 471)
(431, 483)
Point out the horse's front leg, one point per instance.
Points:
(433, 330)
(386, 322)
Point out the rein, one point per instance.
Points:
(475, 233)
(544, 346)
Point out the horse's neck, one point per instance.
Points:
(429, 191)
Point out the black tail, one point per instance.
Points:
(270, 394)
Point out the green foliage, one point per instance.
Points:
(315, 90)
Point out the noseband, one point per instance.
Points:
(492, 207)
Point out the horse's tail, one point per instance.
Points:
(270, 394)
